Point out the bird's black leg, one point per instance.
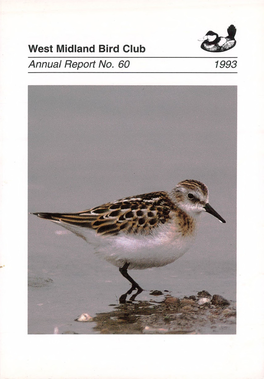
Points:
(123, 271)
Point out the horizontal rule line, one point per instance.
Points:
(129, 72)
(126, 57)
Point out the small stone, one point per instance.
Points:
(220, 301)
(156, 293)
(203, 300)
(84, 318)
(204, 293)
(172, 300)
(187, 302)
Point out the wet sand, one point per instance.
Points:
(166, 314)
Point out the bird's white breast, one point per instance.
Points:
(162, 247)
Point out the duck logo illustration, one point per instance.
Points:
(215, 44)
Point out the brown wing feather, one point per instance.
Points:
(135, 214)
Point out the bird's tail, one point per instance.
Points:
(231, 31)
(75, 222)
(48, 216)
(78, 219)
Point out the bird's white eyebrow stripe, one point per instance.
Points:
(129, 199)
(137, 199)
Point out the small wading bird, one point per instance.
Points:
(215, 44)
(143, 231)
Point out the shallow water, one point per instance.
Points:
(90, 145)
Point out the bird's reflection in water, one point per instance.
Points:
(123, 298)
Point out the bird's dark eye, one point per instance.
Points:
(193, 198)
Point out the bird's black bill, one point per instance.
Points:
(211, 210)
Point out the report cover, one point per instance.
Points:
(132, 171)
